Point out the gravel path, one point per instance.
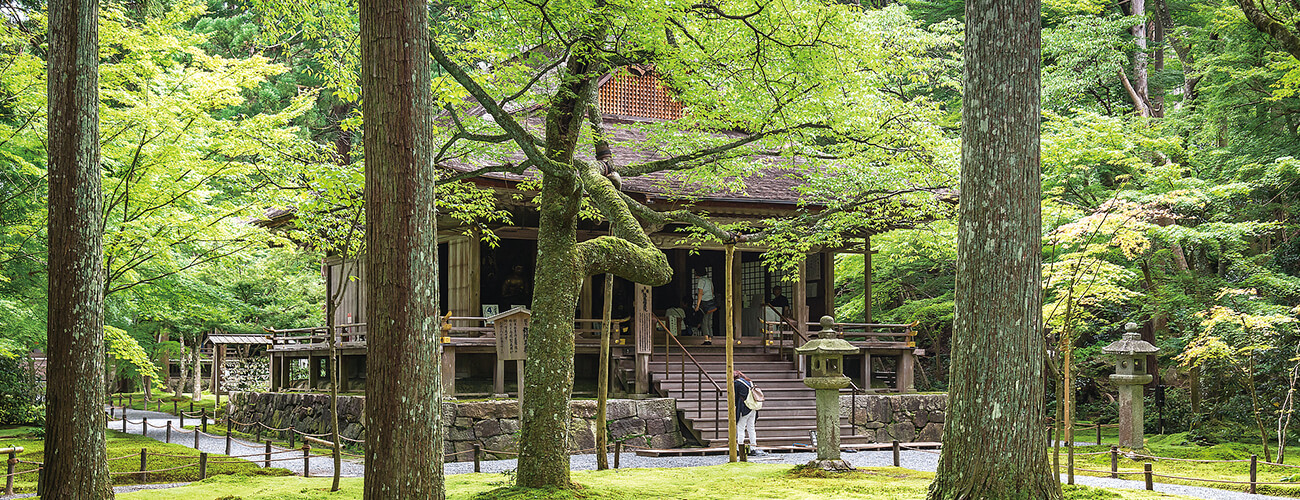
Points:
(320, 465)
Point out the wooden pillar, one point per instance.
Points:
(866, 279)
(903, 371)
(643, 334)
(499, 378)
(449, 370)
(463, 292)
(216, 361)
(735, 288)
(585, 304)
(313, 372)
(275, 372)
(519, 381)
(799, 302)
(828, 284)
(285, 373)
(866, 370)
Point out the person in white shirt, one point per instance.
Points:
(704, 303)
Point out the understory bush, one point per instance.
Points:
(18, 402)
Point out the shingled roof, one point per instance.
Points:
(637, 96)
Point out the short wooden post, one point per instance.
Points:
(896, 454)
(1098, 434)
(293, 433)
(40, 480)
(9, 470)
(744, 452)
(144, 426)
(111, 410)
(169, 432)
(196, 437)
(1114, 462)
(191, 406)
(477, 454)
(124, 420)
(1253, 462)
(306, 459)
(182, 415)
(1070, 463)
(144, 458)
(1146, 471)
(203, 465)
(174, 412)
(618, 451)
(203, 415)
(130, 400)
(267, 464)
(227, 434)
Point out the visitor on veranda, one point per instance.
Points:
(704, 303)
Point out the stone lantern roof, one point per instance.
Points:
(827, 342)
(1132, 343)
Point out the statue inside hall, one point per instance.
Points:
(514, 289)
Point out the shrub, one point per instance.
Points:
(18, 403)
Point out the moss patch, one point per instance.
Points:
(730, 481)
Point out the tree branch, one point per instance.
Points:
(507, 122)
(710, 155)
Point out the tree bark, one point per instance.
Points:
(404, 378)
(198, 369)
(1288, 39)
(76, 463)
(995, 442)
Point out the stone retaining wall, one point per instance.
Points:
(902, 417)
(493, 425)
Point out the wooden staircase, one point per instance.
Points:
(788, 413)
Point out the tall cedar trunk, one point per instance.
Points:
(403, 411)
(995, 442)
(76, 464)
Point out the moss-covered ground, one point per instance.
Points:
(1178, 446)
(732, 481)
(129, 445)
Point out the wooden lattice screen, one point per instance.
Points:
(637, 93)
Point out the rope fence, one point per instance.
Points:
(478, 452)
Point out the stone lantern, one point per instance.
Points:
(827, 352)
(1130, 375)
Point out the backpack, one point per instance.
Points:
(755, 399)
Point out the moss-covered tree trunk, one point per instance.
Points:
(76, 464)
(404, 383)
(995, 441)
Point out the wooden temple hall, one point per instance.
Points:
(482, 285)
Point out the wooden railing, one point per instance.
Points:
(700, 373)
(460, 327)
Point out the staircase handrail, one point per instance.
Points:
(853, 411)
(700, 373)
(794, 327)
(697, 364)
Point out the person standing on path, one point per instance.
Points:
(745, 417)
(704, 303)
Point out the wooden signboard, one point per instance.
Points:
(644, 318)
(511, 332)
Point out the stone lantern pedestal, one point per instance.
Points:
(827, 352)
(1130, 375)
